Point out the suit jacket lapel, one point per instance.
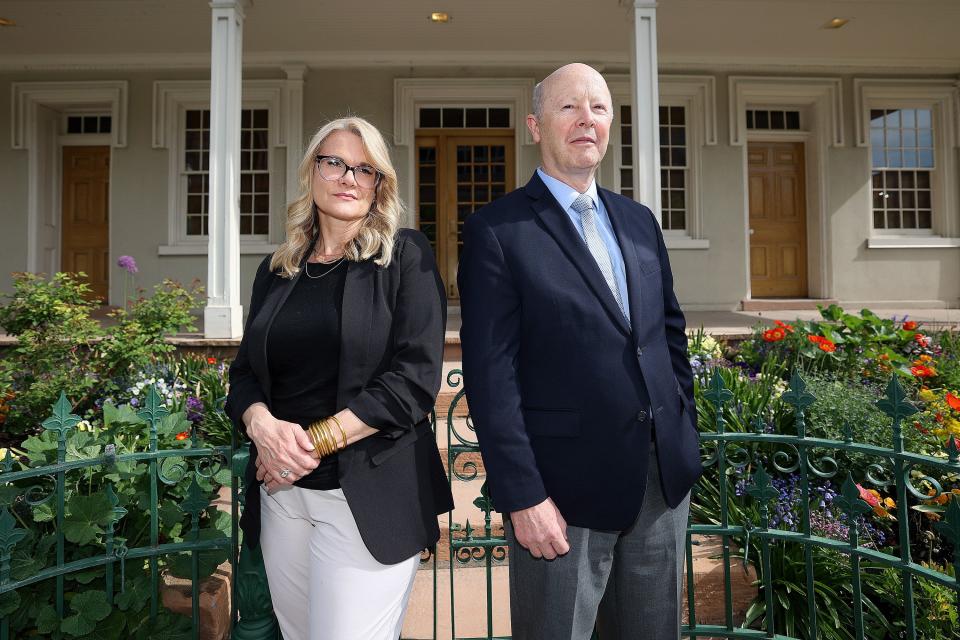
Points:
(356, 319)
(558, 224)
(631, 262)
(278, 293)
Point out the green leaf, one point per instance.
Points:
(86, 516)
(10, 534)
(172, 424)
(43, 512)
(135, 595)
(77, 625)
(47, 620)
(223, 477)
(112, 628)
(86, 577)
(92, 605)
(38, 446)
(9, 602)
(81, 446)
(124, 414)
(180, 564)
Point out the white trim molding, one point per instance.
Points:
(168, 94)
(825, 94)
(26, 96)
(410, 93)
(912, 242)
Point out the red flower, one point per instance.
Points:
(923, 372)
(183, 435)
(816, 339)
(783, 325)
(921, 339)
(774, 335)
(909, 325)
(919, 427)
(953, 401)
(870, 497)
(211, 360)
(828, 346)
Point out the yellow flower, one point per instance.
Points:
(927, 396)
(3, 453)
(890, 504)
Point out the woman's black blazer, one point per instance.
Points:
(391, 352)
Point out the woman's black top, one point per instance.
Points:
(303, 354)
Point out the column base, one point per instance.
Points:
(222, 321)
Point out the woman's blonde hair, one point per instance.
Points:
(377, 233)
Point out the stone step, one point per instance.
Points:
(788, 304)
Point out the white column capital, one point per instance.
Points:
(239, 6)
(639, 4)
(295, 71)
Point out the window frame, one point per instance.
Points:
(172, 100)
(696, 94)
(941, 99)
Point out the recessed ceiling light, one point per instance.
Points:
(439, 16)
(836, 23)
(7, 22)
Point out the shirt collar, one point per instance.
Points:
(564, 193)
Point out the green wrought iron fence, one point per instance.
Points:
(738, 468)
(64, 528)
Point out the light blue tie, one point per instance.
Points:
(588, 217)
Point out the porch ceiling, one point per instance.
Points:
(915, 34)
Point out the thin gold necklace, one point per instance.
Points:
(306, 269)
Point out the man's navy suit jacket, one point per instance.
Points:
(561, 387)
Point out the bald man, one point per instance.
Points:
(576, 370)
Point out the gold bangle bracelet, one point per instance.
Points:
(323, 429)
(343, 434)
(328, 433)
(321, 447)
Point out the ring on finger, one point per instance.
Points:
(285, 472)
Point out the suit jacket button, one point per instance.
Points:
(642, 416)
(639, 352)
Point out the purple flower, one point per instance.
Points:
(127, 263)
(194, 409)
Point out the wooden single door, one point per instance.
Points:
(85, 239)
(457, 173)
(778, 220)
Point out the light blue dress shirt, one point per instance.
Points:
(565, 195)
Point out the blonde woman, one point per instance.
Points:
(333, 383)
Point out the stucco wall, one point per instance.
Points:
(712, 278)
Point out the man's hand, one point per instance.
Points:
(541, 530)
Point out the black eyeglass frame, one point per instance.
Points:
(377, 174)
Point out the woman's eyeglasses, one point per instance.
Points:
(333, 168)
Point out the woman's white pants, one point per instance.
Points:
(324, 583)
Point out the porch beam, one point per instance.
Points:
(644, 94)
(223, 315)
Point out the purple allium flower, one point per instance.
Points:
(194, 409)
(128, 264)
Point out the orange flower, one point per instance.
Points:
(828, 346)
(884, 356)
(774, 335)
(783, 325)
(183, 435)
(816, 339)
(926, 358)
(953, 401)
(923, 371)
(211, 360)
(909, 325)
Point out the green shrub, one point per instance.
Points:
(60, 347)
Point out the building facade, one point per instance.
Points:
(787, 153)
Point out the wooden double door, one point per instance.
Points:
(778, 220)
(85, 216)
(458, 171)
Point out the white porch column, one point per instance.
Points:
(223, 315)
(644, 92)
